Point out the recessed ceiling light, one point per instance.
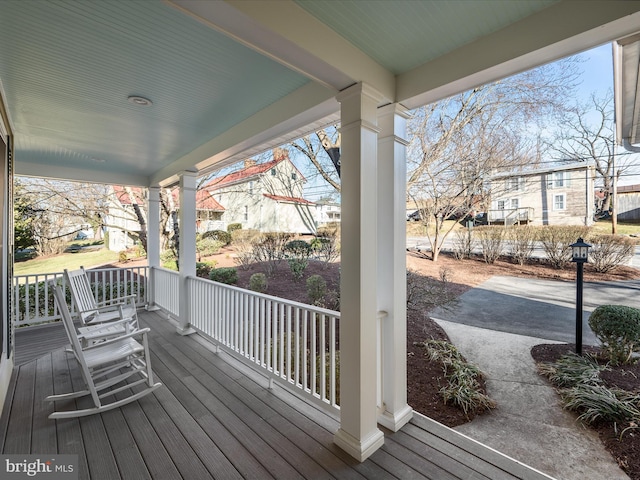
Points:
(140, 101)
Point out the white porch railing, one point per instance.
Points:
(166, 288)
(33, 296)
(289, 341)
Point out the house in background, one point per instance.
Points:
(628, 203)
(561, 195)
(327, 212)
(123, 224)
(265, 196)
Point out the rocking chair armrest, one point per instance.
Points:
(135, 333)
(108, 325)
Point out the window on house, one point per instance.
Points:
(514, 184)
(273, 172)
(515, 203)
(501, 204)
(558, 180)
(559, 201)
(294, 176)
(251, 187)
(246, 213)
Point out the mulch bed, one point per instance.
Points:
(625, 377)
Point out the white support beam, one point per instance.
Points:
(153, 240)
(392, 265)
(519, 47)
(187, 247)
(358, 434)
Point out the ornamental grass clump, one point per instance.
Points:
(463, 387)
(618, 328)
(571, 370)
(598, 403)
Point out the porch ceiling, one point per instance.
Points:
(229, 79)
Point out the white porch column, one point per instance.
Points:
(153, 241)
(394, 412)
(187, 247)
(358, 434)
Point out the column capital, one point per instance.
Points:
(394, 109)
(360, 89)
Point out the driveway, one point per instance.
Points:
(536, 308)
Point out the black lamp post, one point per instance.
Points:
(579, 255)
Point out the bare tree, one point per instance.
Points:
(323, 151)
(458, 143)
(587, 135)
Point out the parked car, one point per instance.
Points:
(414, 216)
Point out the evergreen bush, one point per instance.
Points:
(220, 235)
(618, 328)
(258, 282)
(228, 275)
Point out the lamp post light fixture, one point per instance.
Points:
(579, 255)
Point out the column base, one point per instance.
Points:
(185, 330)
(359, 449)
(395, 421)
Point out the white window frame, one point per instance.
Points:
(558, 180)
(563, 196)
(514, 184)
(514, 203)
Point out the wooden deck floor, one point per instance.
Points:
(215, 418)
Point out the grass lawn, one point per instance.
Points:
(623, 228)
(71, 261)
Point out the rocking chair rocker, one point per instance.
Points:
(106, 364)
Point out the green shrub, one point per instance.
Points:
(232, 227)
(618, 328)
(297, 249)
(208, 246)
(258, 282)
(220, 235)
(316, 288)
(228, 275)
(298, 266)
(204, 268)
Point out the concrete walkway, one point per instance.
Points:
(529, 423)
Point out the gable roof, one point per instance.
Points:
(204, 200)
(540, 171)
(252, 171)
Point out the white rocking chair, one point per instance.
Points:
(90, 311)
(106, 364)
